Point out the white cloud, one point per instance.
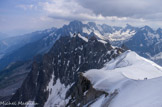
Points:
(72, 10)
(26, 7)
(48, 13)
(114, 12)
(124, 8)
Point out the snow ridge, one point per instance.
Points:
(135, 80)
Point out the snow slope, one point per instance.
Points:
(121, 35)
(82, 37)
(56, 98)
(116, 35)
(136, 80)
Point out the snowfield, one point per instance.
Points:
(57, 94)
(115, 35)
(137, 81)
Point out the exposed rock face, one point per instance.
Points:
(63, 62)
(84, 93)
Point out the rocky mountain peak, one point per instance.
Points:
(75, 23)
(61, 65)
(91, 23)
(147, 29)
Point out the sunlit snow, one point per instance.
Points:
(136, 79)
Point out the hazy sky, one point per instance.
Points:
(22, 16)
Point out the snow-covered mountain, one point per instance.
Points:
(129, 81)
(147, 42)
(27, 46)
(105, 32)
(52, 81)
(81, 72)
(114, 34)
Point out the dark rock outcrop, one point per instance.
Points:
(84, 93)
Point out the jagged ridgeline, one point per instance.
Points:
(57, 78)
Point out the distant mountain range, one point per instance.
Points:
(148, 43)
(145, 41)
(53, 62)
(11, 43)
(20, 48)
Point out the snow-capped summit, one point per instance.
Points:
(102, 31)
(75, 23)
(130, 27)
(72, 72)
